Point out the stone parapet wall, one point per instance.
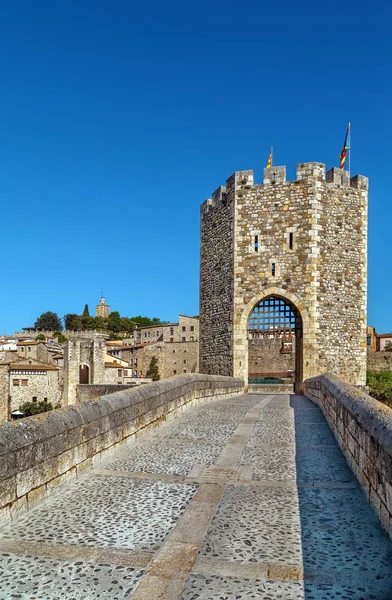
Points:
(273, 388)
(85, 392)
(41, 452)
(362, 427)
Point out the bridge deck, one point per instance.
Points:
(235, 499)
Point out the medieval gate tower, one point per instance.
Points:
(288, 256)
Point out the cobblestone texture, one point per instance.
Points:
(233, 588)
(273, 513)
(29, 578)
(107, 511)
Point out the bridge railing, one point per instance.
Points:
(362, 427)
(41, 452)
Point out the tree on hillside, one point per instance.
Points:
(100, 323)
(153, 371)
(146, 321)
(87, 321)
(114, 322)
(127, 324)
(72, 322)
(49, 320)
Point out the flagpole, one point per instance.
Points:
(349, 148)
(272, 155)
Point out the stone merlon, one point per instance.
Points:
(277, 176)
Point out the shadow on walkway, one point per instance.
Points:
(345, 551)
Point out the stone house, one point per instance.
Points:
(383, 341)
(186, 330)
(173, 358)
(371, 338)
(28, 380)
(117, 370)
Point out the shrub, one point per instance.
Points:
(35, 408)
(380, 385)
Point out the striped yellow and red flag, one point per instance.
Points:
(269, 161)
(346, 146)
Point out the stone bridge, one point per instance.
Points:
(217, 495)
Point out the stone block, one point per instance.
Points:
(35, 496)
(7, 490)
(86, 464)
(36, 476)
(18, 507)
(8, 465)
(5, 515)
(61, 480)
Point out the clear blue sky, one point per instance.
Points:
(119, 118)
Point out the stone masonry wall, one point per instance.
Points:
(4, 394)
(377, 361)
(87, 392)
(265, 356)
(216, 283)
(362, 427)
(305, 241)
(39, 453)
(341, 214)
(173, 358)
(39, 386)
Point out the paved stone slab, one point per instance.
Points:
(37, 578)
(73, 553)
(163, 457)
(256, 525)
(273, 433)
(276, 462)
(313, 434)
(321, 464)
(106, 512)
(339, 530)
(200, 587)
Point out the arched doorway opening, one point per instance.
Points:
(275, 334)
(84, 374)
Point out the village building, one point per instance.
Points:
(384, 341)
(174, 345)
(28, 380)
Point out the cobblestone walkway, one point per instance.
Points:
(247, 498)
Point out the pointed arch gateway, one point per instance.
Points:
(273, 323)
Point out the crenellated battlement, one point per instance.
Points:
(274, 176)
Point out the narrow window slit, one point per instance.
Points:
(273, 270)
(256, 244)
(291, 239)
